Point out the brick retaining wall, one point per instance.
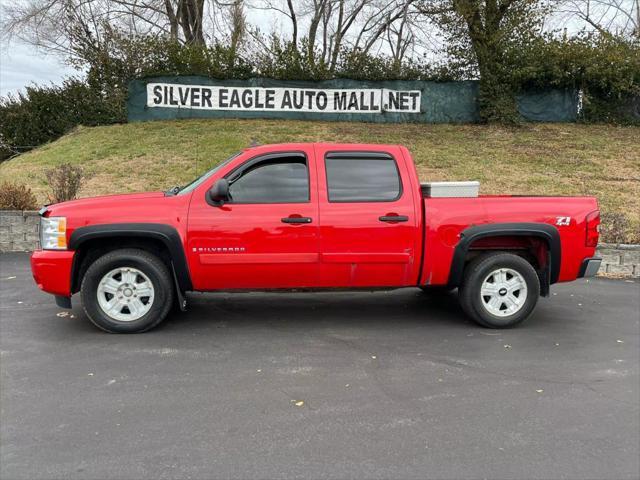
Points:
(19, 232)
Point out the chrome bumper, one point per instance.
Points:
(590, 267)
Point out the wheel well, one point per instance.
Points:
(92, 249)
(533, 249)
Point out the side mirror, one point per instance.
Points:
(219, 192)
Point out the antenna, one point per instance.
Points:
(254, 143)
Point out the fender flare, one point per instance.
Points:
(547, 232)
(166, 234)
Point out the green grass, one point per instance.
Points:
(563, 159)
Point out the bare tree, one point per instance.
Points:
(620, 17)
(317, 14)
(288, 11)
(190, 15)
(330, 26)
(379, 21)
(401, 37)
(294, 22)
(346, 19)
(327, 26)
(48, 24)
(238, 26)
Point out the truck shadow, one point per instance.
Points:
(408, 307)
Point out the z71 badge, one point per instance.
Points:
(563, 221)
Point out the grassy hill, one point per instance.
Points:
(564, 159)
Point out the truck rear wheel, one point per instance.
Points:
(127, 291)
(499, 290)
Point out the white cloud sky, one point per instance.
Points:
(21, 65)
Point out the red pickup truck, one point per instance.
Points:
(312, 216)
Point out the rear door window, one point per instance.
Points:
(362, 177)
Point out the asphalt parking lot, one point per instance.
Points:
(331, 385)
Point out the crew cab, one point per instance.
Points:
(312, 217)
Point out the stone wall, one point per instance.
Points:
(621, 260)
(19, 232)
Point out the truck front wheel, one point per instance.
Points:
(499, 290)
(127, 291)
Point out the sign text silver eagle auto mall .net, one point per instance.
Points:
(282, 99)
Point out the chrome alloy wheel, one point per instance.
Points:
(125, 294)
(503, 292)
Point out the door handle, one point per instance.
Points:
(394, 218)
(296, 220)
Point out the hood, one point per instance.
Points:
(101, 201)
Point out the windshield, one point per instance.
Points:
(198, 181)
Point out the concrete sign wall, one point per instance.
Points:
(162, 98)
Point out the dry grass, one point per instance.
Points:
(565, 159)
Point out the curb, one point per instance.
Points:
(618, 246)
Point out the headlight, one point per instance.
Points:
(53, 233)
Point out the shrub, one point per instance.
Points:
(45, 113)
(16, 197)
(614, 227)
(604, 68)
(64, 181)
(119, 58)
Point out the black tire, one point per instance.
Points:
(147, 263)
(475, 274)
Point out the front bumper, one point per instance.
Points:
(51, 271)
(590, 267)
